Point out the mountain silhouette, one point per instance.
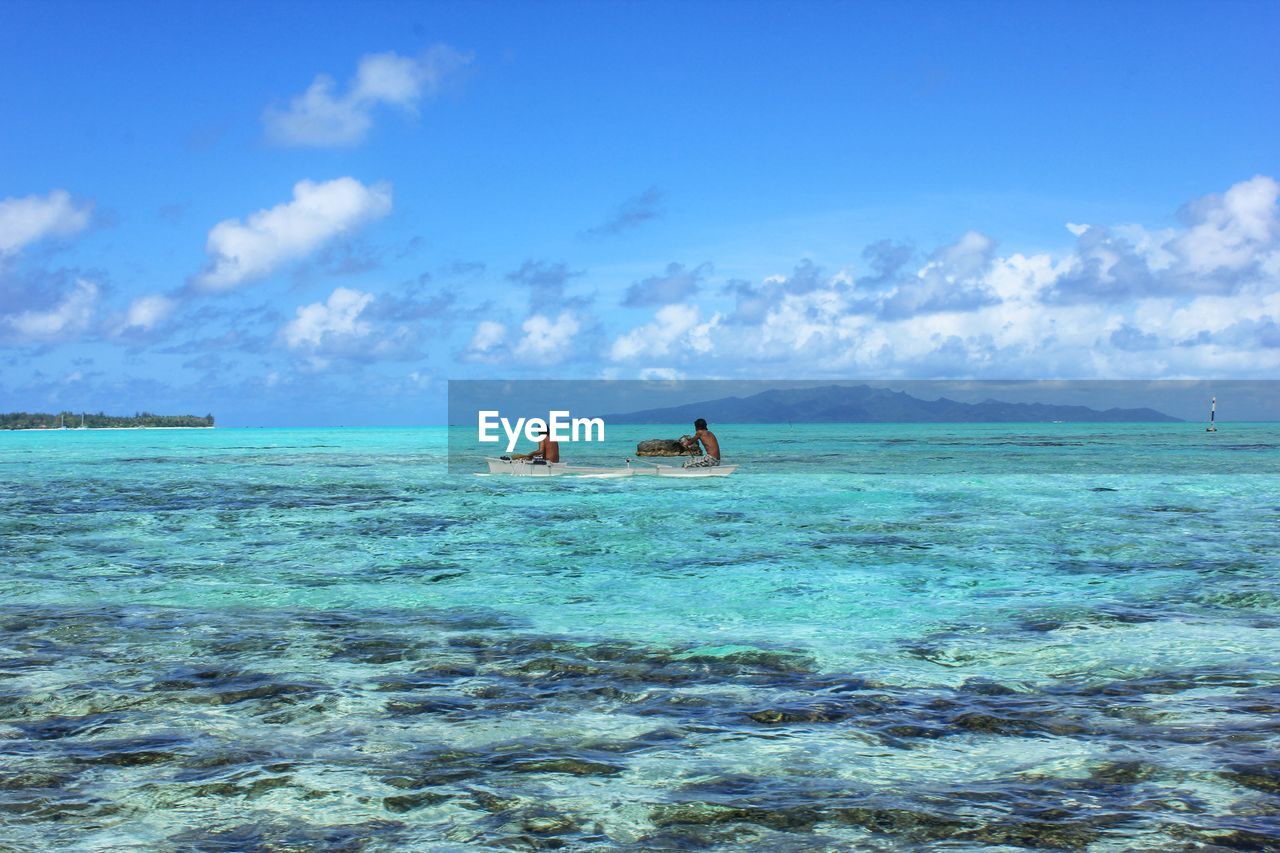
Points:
(863, 404)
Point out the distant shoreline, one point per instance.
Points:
(92, 429)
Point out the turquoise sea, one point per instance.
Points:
(882, 637)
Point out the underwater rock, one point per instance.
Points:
(572, 766)
(136, 752)
(46, 810)
(528, 842)
(374, 650)
(428, 705)
(1122, 773)
(1039, 835)
(710, 814)
(904, 822)
(402, 803)
(34, 779)
(550, 824)
(212, 686)
(811, 714)
(985, 687)
(1261, 777)
(492, 802)
(292, 835)
(52, 728)
(250, 790)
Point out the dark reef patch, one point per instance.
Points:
(391, 731)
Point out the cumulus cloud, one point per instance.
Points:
(886, 260)
(954, 279)
(674, 327)
(30, 218)
(488, 344)
(1230, 233)
(321, 116)
(754, 302)
(146, 312)
(677, 284)
(1230, 241)
(334, 319)
(1105, 267)
(547, 341)
(631, 213)
(242, 251)
(357, 326)
(67, 317)
(488, 336)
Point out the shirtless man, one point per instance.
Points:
(710, 446)
(548, 450)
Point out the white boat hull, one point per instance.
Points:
(525, 468)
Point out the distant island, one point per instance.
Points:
(74, 420)
(862, 404)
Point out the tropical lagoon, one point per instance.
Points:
(287, 639)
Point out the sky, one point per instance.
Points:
(320, 213)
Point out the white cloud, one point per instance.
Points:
(31, 218)
(147, 311)
(339, 317)
(322, 117)
(69, 316)
(674, 327)
(489, 334)
(545, 340)
(1134, 307)
(488, 343)
(243, 251)
(1231, 230)
(665, 374)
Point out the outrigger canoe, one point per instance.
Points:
(525, 468)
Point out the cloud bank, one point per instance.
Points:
(1199, 300)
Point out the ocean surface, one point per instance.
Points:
(960, 637)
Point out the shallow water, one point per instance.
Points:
(1055, 636)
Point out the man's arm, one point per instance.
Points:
(540, 450)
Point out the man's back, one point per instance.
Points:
(709, 443)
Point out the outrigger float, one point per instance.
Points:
(526, 468)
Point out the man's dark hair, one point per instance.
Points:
(700, 423)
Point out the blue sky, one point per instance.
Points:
(314, 213)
